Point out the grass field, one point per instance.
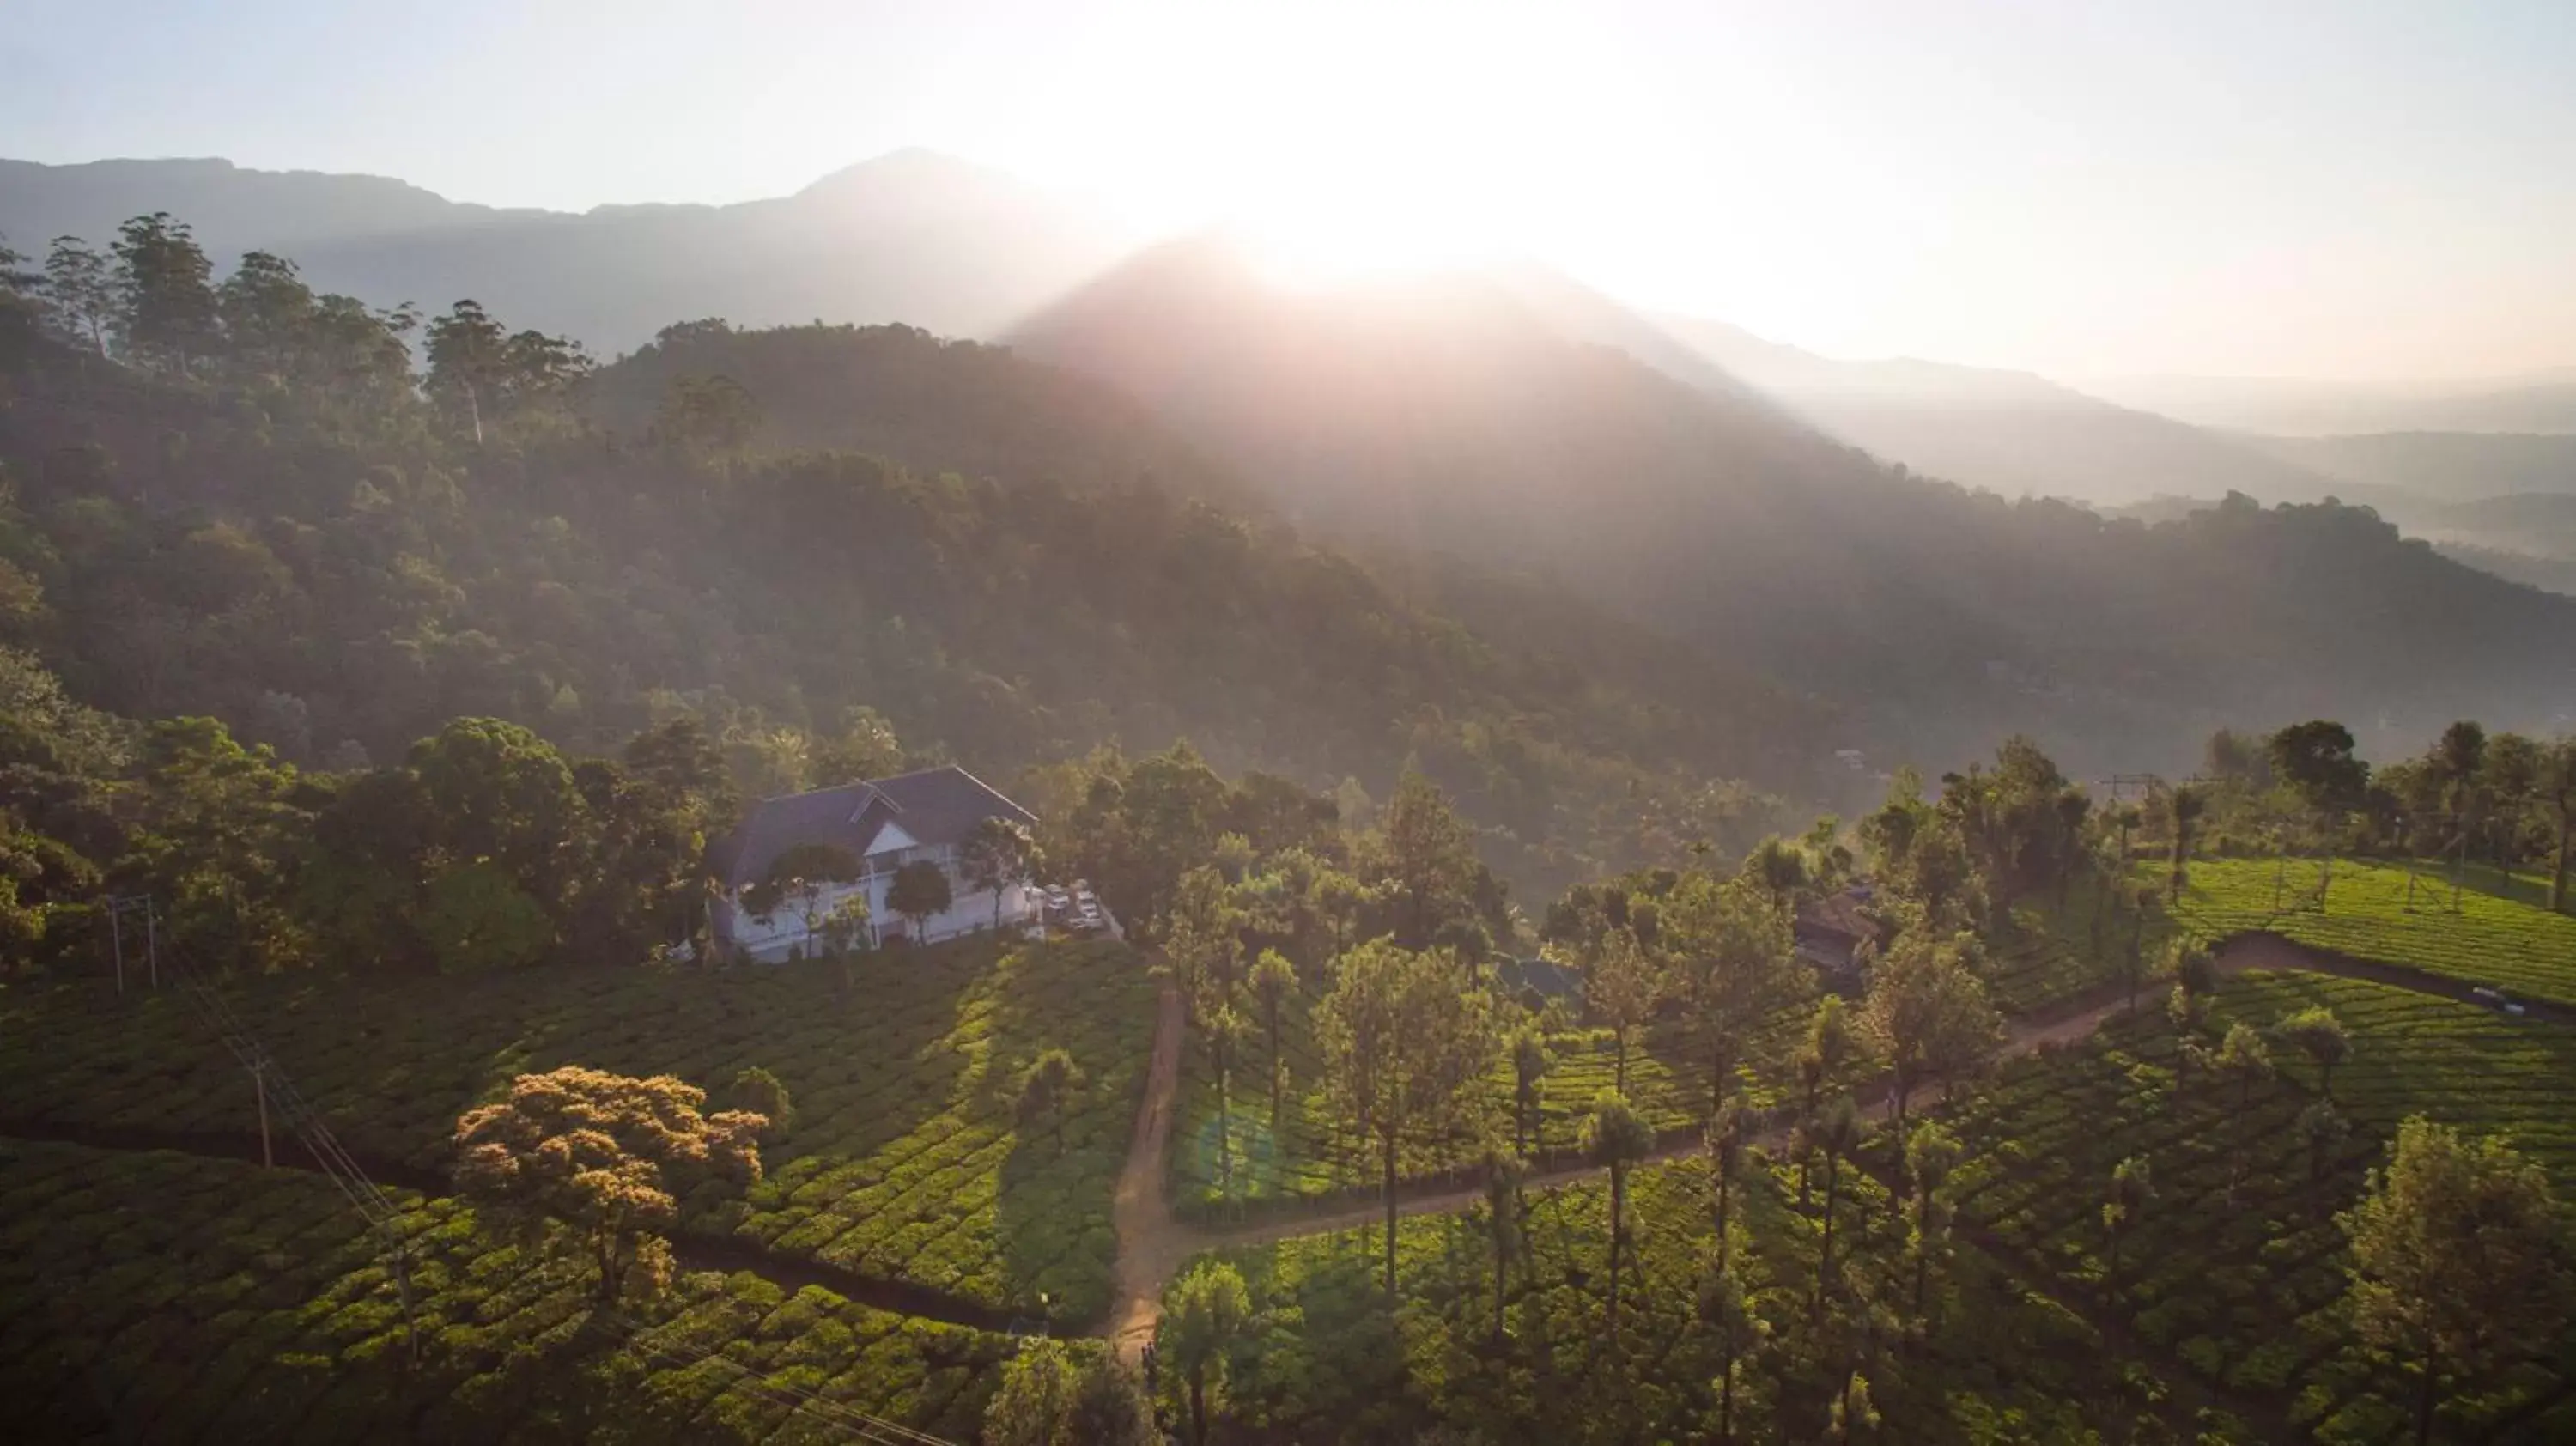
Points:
(2001, 1365)
(2500, 933)
(2244, 1289)
(905, 1162)
(159, 1297)
(1312, 1154)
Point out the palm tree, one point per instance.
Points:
(1616, 1136)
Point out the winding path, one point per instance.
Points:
(1152, 1244)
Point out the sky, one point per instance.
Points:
(2325, 188)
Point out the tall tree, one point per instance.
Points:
(80, 285)
(1927, 1012)
(1204, 1313)
(1274, 983)
(1622, 986)
(1504, 1170)
(166, 311)
(2183, 809)
(919, 893)
(2316, 1033)
(1726, 1309)
(998, 854)
(1836, 1132)
(1725, 1134)
(1431, 859)
(1110, 1407)
(1035, 1404)
(1202, 938)
(606, 1157)
(2557, 787)
(1735, 962)
(1616, 1137)
(2457, 1259)
(1404, 1042)
(1529, 1066)
(1827, 1053)
(1931, 1154)
(469, 362)
(2242, 1057)
(2132, 1186)
(267, 312)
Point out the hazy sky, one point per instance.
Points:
(2338, 188)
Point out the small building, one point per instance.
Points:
(1830, 930)
(885, 824)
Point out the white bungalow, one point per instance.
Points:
(885, 824)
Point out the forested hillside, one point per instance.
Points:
(914, 236)
(1452, 419)
(253, 513)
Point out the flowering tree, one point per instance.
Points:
(604, 1157)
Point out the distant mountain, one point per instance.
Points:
(914, 236)
(2298, 407)
(2014, 432)
(1457, 417)
(2440, 466)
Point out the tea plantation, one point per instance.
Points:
(2500, 932)
(1987, 1361)
(160, 1297)
(2235, 1269)
(1313, 1154)
(906, 1161)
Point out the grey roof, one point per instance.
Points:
(935, 806)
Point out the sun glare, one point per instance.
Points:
(1372, 140)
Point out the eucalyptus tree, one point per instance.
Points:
(1274, 983)
(1405, 1042)
(1734, 964)
(1616, 1137)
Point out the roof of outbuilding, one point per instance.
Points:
(934, 806)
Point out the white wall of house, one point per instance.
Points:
(785, 932)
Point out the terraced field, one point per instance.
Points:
(906, 1161)
(159, 1297)
(2499, 934)
(2236, 1267)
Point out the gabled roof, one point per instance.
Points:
(933, 806)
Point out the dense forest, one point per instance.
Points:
(1454, 420)
(335, 529)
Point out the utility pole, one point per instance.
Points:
(259, 1086)
(118, 906)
